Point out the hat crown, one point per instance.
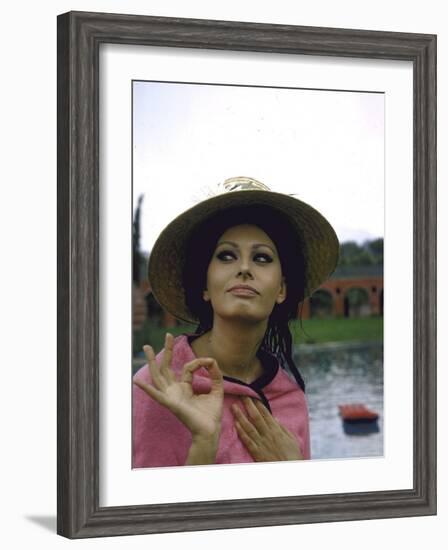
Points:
(243, 183)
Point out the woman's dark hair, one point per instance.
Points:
(200, 248)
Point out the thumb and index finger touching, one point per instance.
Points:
(164, 374)
(213, 370)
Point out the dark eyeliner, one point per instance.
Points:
(222, 253)
(266, 257)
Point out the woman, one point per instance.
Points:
(238, 264)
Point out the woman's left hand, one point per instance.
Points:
(263, 436)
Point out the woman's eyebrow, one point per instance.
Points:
(258, 245)
(255, 245)
(227, 242)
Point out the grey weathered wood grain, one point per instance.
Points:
(79, 37)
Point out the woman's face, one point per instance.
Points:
(244, 277)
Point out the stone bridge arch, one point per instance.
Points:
(321, 304)
(337, 289)
(356, 302)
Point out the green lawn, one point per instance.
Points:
(315, 331)
(154, 335)
(312, 331)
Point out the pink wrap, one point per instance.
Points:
(160, 439)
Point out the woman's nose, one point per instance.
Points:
(244, 268)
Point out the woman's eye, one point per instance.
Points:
(226, 255)
(263, 258)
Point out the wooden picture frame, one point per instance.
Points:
(79, 38)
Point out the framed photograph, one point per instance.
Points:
(158, 116)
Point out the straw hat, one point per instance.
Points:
(319, 243)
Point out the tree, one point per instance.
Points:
(137, 257)
(369, 253)
(377, 249)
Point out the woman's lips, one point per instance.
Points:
(243, 291)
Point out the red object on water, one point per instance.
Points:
(357, 413)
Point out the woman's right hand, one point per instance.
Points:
(200, 413)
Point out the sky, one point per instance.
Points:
(326, 147)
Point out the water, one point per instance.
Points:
(336, 376)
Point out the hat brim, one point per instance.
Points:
(320, 245)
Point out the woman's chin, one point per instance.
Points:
(243, 315)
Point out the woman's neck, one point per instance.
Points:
(234, 346)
